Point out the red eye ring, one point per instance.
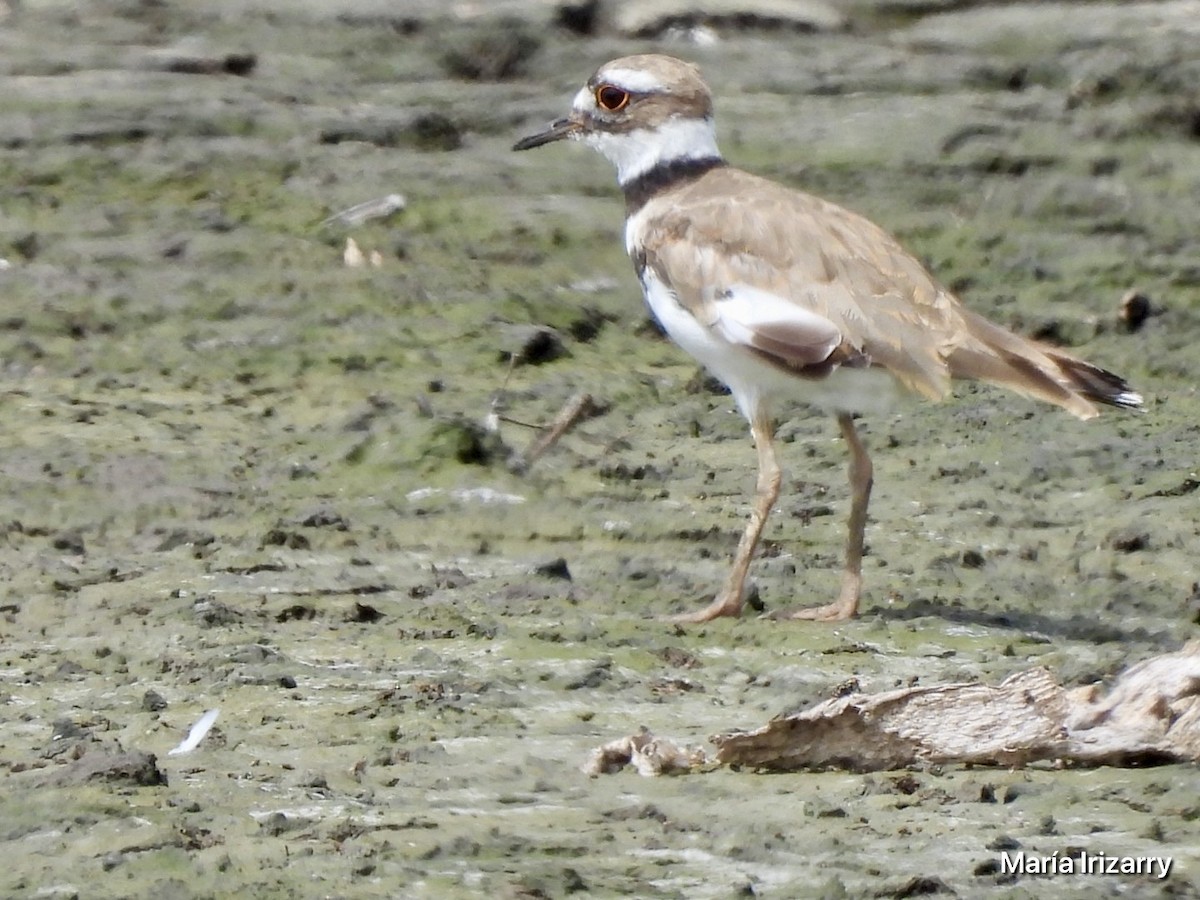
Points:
(611, 98)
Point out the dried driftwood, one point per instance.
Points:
(646, 753)
(1150, 714)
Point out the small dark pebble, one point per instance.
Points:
(753, 600)
(582, 18)
(573, 882)
(593, 678)
(556, 568)
(1004, 842)
(183, 537)
(153, 701)
(281, 537)
(365, 613)
(70, 541)
(1135, 310)
(68, 668)
(1128, 540)
(278, 823)
(679, 658)
(297, 612)
(325, 518)
(836, 813)
(464, 441)
(533, 345)
(973, 559)
(65, 729)
(211, 613)
(846, 688)
(287, 681)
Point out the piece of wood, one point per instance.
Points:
(579, 407)
(1151, 714)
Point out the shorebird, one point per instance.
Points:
(785, 296)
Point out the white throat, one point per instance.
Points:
(636, 152)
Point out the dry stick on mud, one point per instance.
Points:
(1150, 715)
(581, 406)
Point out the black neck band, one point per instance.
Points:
(665, 175)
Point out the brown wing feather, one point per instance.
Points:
(730, 227)
(725, 229)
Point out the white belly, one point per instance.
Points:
(756, 384)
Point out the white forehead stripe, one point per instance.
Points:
(583, 100)
(637, 80)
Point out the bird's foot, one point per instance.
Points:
(838, 611)
(725, 605)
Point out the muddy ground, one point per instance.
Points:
(238, 474)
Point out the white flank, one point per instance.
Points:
(197, 734)
(744, 309)
(753, 381)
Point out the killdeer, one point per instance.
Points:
(782, 295)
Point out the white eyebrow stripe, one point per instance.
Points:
(640, 82)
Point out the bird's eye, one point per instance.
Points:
(610, 98)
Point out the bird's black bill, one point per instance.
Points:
(560, 130)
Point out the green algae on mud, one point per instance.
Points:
(223, 480)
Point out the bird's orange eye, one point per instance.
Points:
(611, 98)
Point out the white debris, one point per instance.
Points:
(484, 495)
(197, 734)
(379, 208)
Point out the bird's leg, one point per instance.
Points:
(861, 477)
(729, 602)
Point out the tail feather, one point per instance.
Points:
(1096, 383)
(997, 355)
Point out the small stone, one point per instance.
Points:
(1128, 540)
(532, 345)
(1002, 843)
(556, 568)
(1135, 310)
(973, 559)
(69, 541)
